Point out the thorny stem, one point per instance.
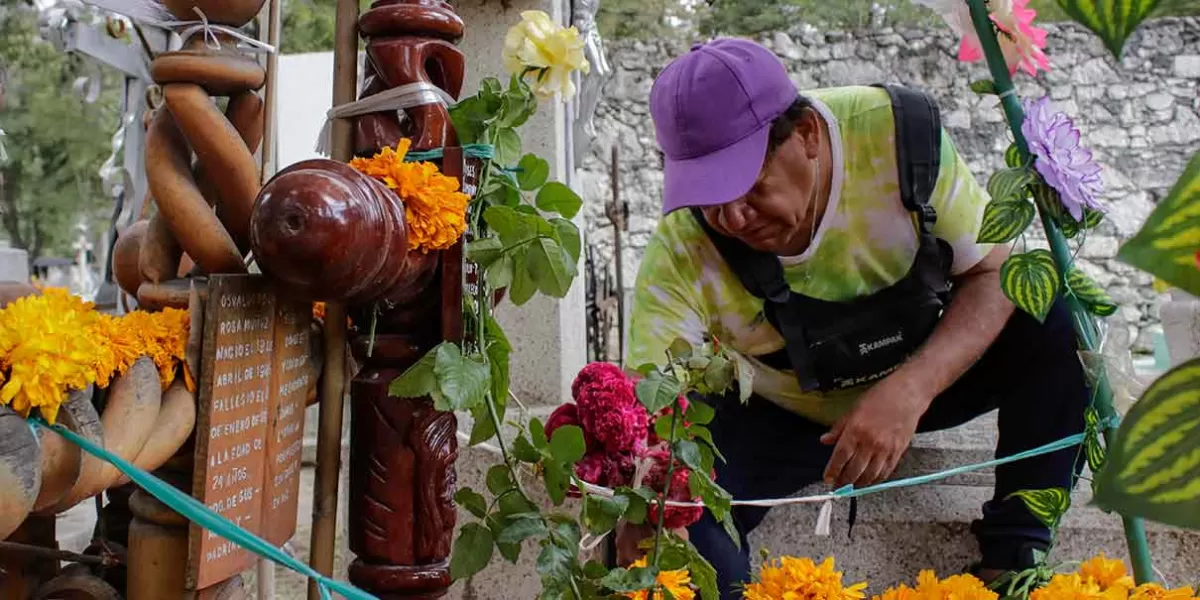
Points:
(662, 502)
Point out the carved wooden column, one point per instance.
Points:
(331, 233)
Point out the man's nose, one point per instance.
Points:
(736, 216)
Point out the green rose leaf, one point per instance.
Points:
(1048, 505)
(551, 267)
(719, 374)
(537, 432)
(699, 413)
(662, 428)
(1166, 245)
(1004, 221)
(554, 563)
(567, 445)
(499, 480)
(1031, 282)
(594, 569)
(482, 428)
(499, 189)
(630, 580)
(498, 351)
(1113, 20)
(512, 503)
(557, 197)
(601, 514)
(510, 552)
(745, 377)
(472, 551)
(567, 234)
(484, 252)
(637, 501)
(472, 501)
(689, 452)
(418, 380)
(524, 451)
(512, 226)
(714, 496)
(532, 172)
(508, 146)
(499, 274)
(523, 286)
(1152, 468)
(521, 528)
(557, 479)
(657, 391)
(462, 381)
(679, 348)
(1089, 293)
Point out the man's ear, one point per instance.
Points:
(809, 130)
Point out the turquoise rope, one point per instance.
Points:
(200, 514)
(482, 151)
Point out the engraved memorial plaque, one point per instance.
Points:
(291, 378)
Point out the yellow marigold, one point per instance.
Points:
(435, 211)
(801, 579)
(1154, 591)
(929, 587)
(1073, 586)
(678, 583)
(163, 337)
(45, 351)
(1106, 572)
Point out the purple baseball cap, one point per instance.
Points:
(712, 111)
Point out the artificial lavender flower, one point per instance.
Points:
(1065, 165)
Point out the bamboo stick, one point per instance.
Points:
(329, 434)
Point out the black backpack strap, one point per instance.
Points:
(761, 273)
(918, 149)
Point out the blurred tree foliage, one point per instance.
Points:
(55, 141)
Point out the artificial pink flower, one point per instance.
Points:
(1020, 41)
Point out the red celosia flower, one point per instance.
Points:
(619, 427)
(600, 374)
(568, 414)
(677, 517)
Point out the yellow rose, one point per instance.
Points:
(545, 53)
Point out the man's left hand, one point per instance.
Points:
(873, 436)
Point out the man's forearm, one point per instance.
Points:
(968, 327)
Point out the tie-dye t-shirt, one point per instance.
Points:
(866, 241)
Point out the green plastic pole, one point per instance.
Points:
(1085, 326)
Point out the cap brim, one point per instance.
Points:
(716, 178)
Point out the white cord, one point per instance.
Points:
(398, 98)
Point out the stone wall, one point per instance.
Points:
(1141, 116)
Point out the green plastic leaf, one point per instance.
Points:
(699, 413)
(567, 235)
(657, 391)
(418, 380)
(508, 146)
(1009, 184)
(462, 380)
(472, 551)
(1031, 282)
(1113, 20)
(1004, 220)
(601, 514)
(1092, 447)
(519, 529)
(1093, 297)
(1048, 505)
(567, 444)
(557, 197)
(983, 86)
(523, 286)
(1167, 244)
(472, 501)
(551, 267)
(484, 252)
(630, 580)
(1012, 157)
(1153, 463)
(532, 172)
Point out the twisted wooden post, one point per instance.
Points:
(331, 233)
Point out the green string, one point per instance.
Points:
(481, 151)
(195, 511)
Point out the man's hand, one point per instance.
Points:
(873, 436)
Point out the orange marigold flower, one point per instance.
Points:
(1154, 591)
(1106, 572)
(435, 211)
(929, 587)
(678, 583)
(801, 578)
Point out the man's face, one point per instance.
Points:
(775, 215)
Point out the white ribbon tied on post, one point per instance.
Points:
(410, 95)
